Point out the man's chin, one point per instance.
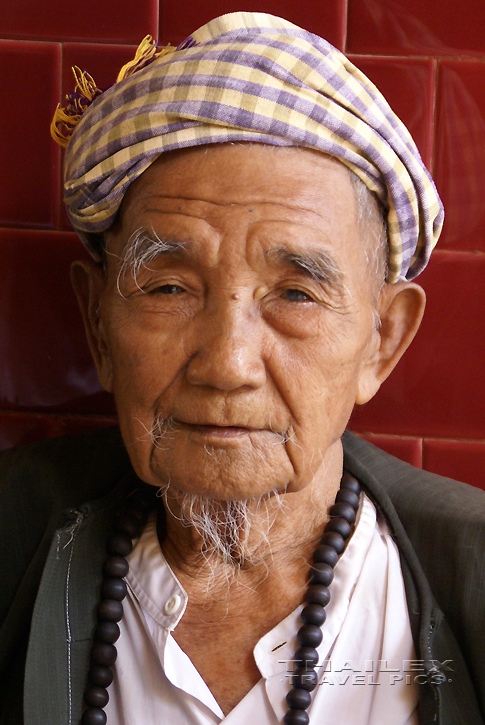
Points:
(231, 484)
(236, 471)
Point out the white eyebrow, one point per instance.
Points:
(312, 263)
(143, 247)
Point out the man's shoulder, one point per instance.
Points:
(408, 486)
(38, 482)
(443, 518)
(70, 469)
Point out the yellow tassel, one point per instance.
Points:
(66, 119)
(145, 51)
(61, 118)
(85, 84)
(145, 54)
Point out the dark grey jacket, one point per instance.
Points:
(52, 548)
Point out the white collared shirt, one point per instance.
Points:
(368, 670)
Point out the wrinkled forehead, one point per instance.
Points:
(232, 174)
(293, 184)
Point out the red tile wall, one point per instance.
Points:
(426, 57)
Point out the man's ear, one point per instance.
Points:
(401, 308)
(88, 282)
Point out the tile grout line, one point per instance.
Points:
(434, 117)
(345, 13)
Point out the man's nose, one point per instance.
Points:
(229, 347)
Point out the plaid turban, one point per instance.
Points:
(257, 78)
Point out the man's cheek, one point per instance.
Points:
(133, 361)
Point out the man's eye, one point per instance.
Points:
(167, 289)
(296, 295)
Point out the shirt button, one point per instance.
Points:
(172, 604)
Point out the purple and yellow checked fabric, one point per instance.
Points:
(258, 78)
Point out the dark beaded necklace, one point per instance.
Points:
(130, 524)
(326, 555)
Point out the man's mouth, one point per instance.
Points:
(222, 431)
(215, 431)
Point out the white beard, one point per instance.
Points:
(233, 533)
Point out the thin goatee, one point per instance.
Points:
(234, 534)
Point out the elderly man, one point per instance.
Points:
(256, 213)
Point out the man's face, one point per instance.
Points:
(238, 346)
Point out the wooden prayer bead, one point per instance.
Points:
(326, 554)
(94, 716)
(304, 679)
(96, 696)
(296, 717)
(110, 610)
(318, 594)
(331, 538)
(104, 653)
(113, 588)
(119, 544)
(298, 699)
(314, 614)
(340, 526)
(345, 494)
(306, 657)
(343, 510)
(100, 675)
(107, 632)
(321, 573)
(116, 566)
(309, 635)
(350, 483)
